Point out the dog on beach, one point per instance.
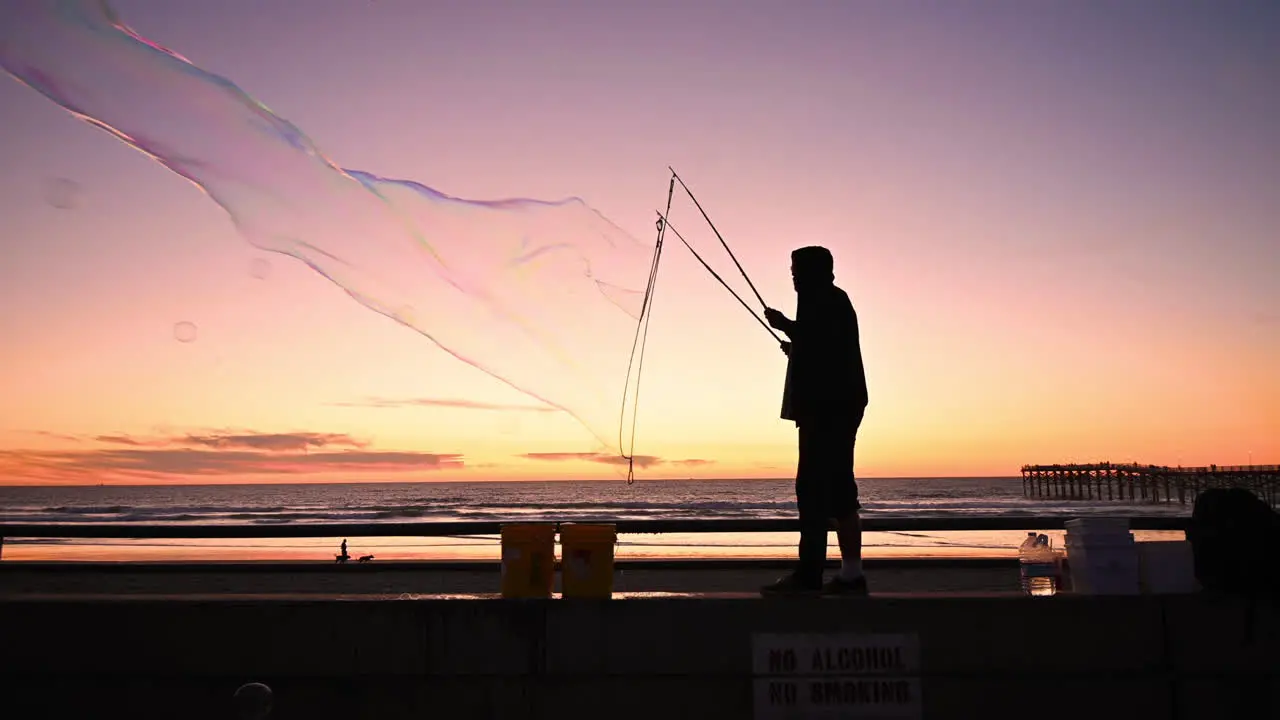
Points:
(365, 558)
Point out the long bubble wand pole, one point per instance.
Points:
(641, 339)
(663, 221)
(720, 237)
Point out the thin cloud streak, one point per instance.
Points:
(162, 464)
(117, 440)
(443, 402)
(245, 440)
(274, 442)
(641, 461)
(216, 454)
(50, 434)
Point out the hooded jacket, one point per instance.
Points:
(826, 383)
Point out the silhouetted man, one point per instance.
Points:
(825, 395)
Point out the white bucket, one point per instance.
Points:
(1100, 540)
(1105, 568)
(1098, 531)
(1097, 526)
(1167, 567)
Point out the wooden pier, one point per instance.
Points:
(1147, 483)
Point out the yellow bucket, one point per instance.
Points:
(587, 560)
(528, 560)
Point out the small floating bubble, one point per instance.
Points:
(184, 332)
(62, 193)
(253, 700)
(260, 268)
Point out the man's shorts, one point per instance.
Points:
(825, 485)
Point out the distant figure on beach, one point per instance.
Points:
(825, 395)
(343, 556)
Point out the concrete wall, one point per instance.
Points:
(1064, 657)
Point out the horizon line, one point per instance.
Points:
(493, 480)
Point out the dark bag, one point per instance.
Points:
(1235, 542)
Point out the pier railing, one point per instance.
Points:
(1134, 482)
(138, 531)
(1191, 470)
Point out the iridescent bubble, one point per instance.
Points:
(62, 193)
(253, 701)
(185, 331)
(260, 268)
(543, 295)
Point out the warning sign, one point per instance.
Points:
(867, 677)
(884, 698)
(838, 654)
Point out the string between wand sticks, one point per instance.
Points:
(641, 339)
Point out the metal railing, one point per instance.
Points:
(135, 531)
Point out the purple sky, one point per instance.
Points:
(1031, 203)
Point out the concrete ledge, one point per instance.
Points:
(1213, 634)
(21, 579)
(21, 568)
(956, 634)
(1066, 657)
(639, 698)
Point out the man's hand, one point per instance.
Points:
(776, 319)
(786, 348)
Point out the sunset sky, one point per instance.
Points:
(1059, 224)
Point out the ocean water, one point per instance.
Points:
(512, 501)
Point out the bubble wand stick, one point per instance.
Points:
(722, 242)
